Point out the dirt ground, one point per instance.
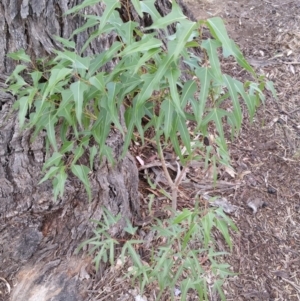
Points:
(266, 255)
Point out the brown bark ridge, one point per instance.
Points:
(38, 237)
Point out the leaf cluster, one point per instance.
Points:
(77, 101)
(183, 256)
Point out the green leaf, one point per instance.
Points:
(148, 7)
(57, 74)
(128, 136)
(168, 110)
(270, 87)
(50, 127)
(104, 57)
(66, 106)
(146, 57)
(20, 55)
(188, 235)
(78, 152)
(174, 16)
(78, 88)
(223, 228)
(184, 134)
(91, 22)
(51, 172)
(16, 79)
(204, 74)
(126, 31)
(211, 47)
(113, 89)
(218, 286)
(218, 30)
(207, 223)
(145, 44)
(81, 172)
(183, 34)
(149, 84)
(23, 104)
(77, 61)
(109, 10)
(98, 81)
(188, 91)
(36, 76)
(59, 183)
(185, 214)
(54, 160)
(93, 153)
(65, 42)
(228, 220)
(137, 7)
(81, 6)
(172, 76)
(237, 112)
(67, 147)
(174, 140)
(251, 104)
(216, 115)
(129, 85)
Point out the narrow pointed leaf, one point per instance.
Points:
(20, 55)
(188, 91)
(93, 153)
(211, 47)
(98, 81)
(81, 172)
(219, 32)
(237, 112)
(51, 172)
(78, 88)
(205, 77)
(184, 134)
(167, 109)
(223, 228)
(56, 76)
(270, 87)
(65, 42)
(172, 77)
(50, 127)
(184, 33)
(54, 160)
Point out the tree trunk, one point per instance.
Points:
(38, 237)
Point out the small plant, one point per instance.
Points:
(184, 256)
(75, 92)
(77, 101)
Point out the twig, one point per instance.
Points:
(169, 179)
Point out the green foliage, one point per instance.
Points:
(183, 257)
(77, 100)
(73, 92)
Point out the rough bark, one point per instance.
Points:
(38, 236)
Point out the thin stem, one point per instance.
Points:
(170, 181)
